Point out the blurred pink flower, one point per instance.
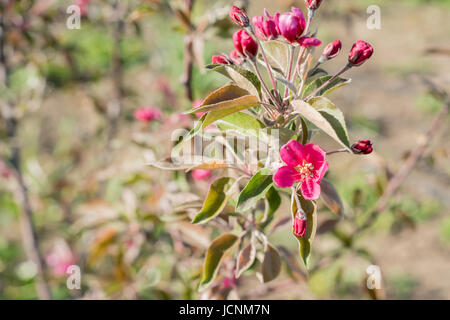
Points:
(83, 5)
(305, 164)
(201, 174)
(60, 258)
(147, 114)
(5, 172)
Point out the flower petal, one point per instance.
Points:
(292, 153)
(310, 189)
(285, 177)
(314, 154)
(320, 172)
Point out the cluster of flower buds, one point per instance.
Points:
(362, 147)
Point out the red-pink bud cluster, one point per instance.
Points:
(362, 147)
(266, 29)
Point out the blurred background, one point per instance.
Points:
(75, 190)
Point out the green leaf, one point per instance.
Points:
(217, 198)
(335, 84)
(239, 121)
(226, 93)
(305, 134)
(214, 257)
(255, 189)
(227, 108)
(273, 202)
(242, 77)
(310, 208)
(277, 54)
(271, 265)
(331, 198)
(326, 116)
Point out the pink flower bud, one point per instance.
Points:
(239, 17)
(331, 50)
(362, 147)
(236, 57)
(245, 44)
(292, 24)
(200, 174)
(299, 226)
(313, 4)
(147, 114)
(266, 29)
(220, 59)
(309, 42)
(360, 52)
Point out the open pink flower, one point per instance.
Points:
(147, 114)
(305, 164)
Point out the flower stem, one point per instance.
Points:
(269, 68)
(289, 70)
(347, 66)
(337, 151)
(258, 73)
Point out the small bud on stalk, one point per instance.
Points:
(313, 4)
(239, 17)
(331, 51)
(299, 226)
(244, 44)
(236, 57)
(362, 147)
(221, 59)
(309, 42)
(360, 52)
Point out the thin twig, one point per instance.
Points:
(28, 229)
(396, 181)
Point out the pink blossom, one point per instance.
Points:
(201, 174)
(309, 42)
(305, 164)
(83, 4)
(266, 29)
(291, 24)
(60, 258)
(147, 114)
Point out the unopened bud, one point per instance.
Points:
(360, 52)
(362, 147)
(239, 17)
(331, 50)
(299, 226)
